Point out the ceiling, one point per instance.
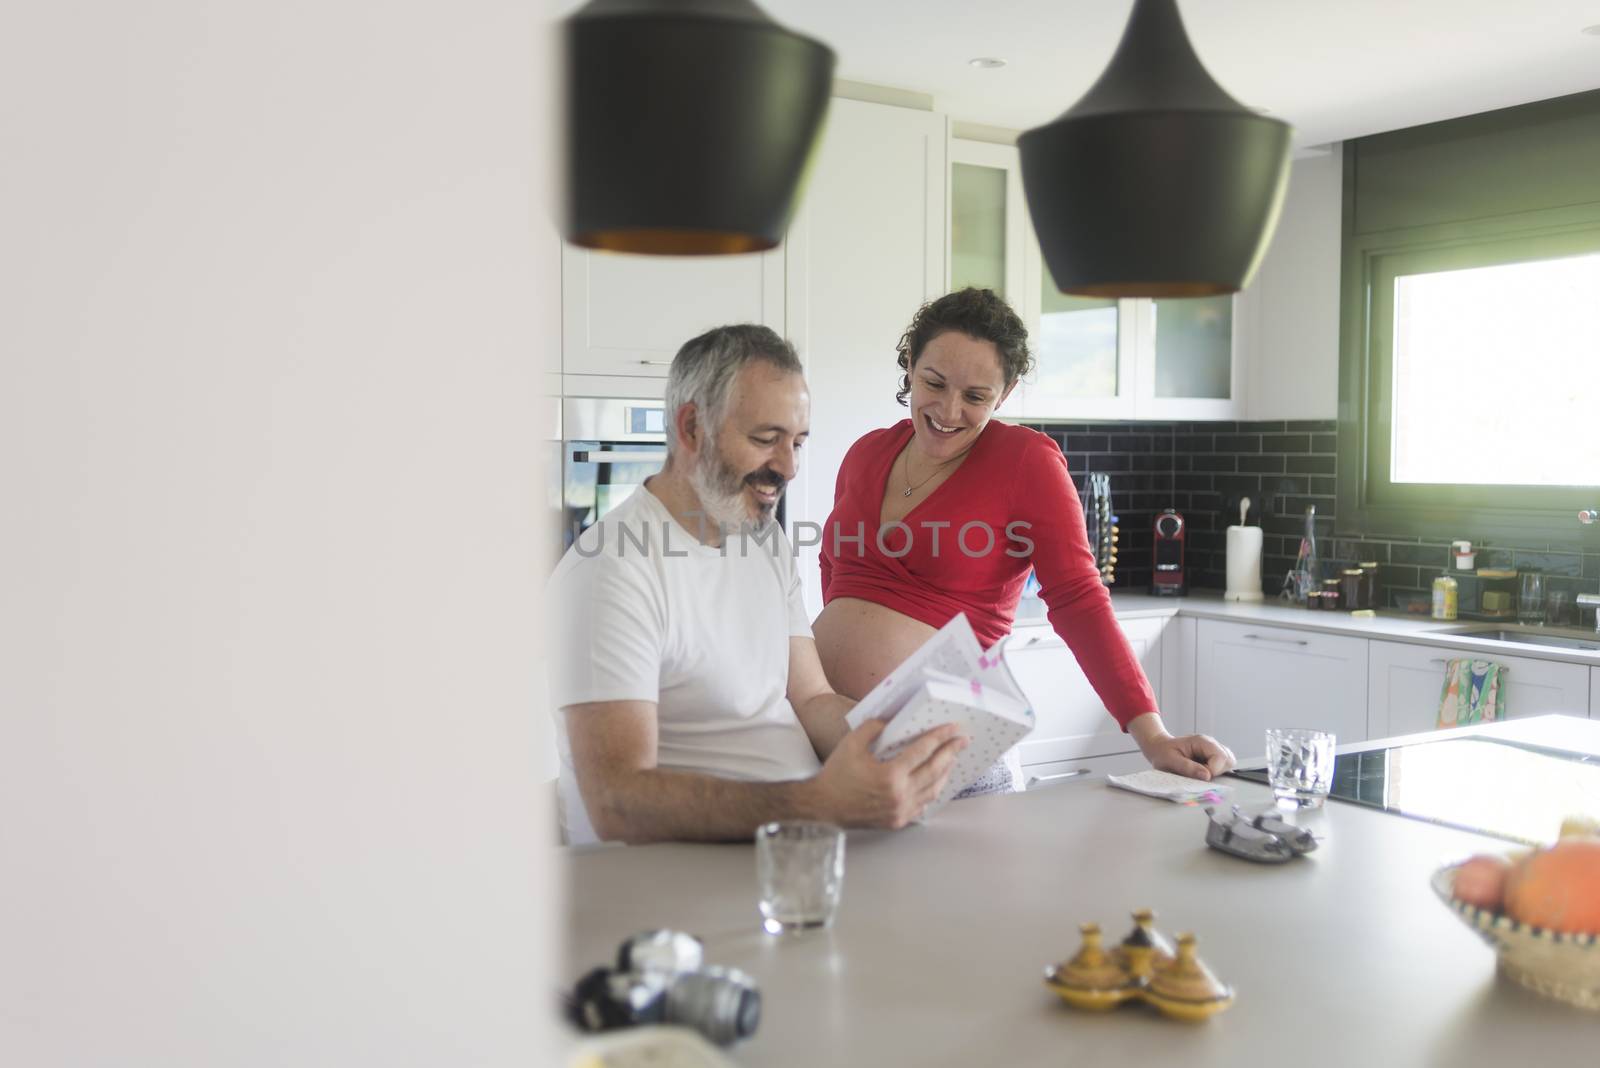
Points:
(1334, 69)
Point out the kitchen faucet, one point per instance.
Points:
(1588, 517)
(1590, 600)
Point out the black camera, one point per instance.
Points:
(661, 978)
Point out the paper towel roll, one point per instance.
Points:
(1244, 564)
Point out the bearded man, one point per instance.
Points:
(690, 700)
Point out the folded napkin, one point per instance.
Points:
(1471, 693)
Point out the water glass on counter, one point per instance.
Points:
(1300, 765)
(800, 872)
(1530, 598)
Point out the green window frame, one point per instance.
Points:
(1368, 502)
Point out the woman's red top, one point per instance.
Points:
(969, 545)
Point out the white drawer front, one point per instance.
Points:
(1249, 678)
(1086, 769)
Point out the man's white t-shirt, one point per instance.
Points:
(642, 611)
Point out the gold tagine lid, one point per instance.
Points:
(1186, 988)
(1145, 949)
(1091, 968)
(1092, 979)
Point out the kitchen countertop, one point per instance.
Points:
(1389, 626)
(937, 957)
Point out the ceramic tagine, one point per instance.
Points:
(1143, 967)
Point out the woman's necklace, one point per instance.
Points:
(910, 489)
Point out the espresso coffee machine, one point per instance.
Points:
(1168, 578)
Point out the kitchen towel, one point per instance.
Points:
(1471, 693)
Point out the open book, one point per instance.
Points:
(951, 679)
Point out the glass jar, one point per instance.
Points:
(1352, 589)
(1369, 583)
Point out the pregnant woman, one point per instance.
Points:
(947, 512)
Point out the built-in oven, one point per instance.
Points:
(609, 447)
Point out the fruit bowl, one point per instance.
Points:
(1553, 963)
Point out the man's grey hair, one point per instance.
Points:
(703, 371)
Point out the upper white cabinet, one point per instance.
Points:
(1097, 359)
(1406, 682)
(1289, 316)
(626, 315)
(864, 252)
(1249, 678)
(1070, 721)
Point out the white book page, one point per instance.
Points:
(954, 650)
(991, 721)
(965, 703)
(995, 674)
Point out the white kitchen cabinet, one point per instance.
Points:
(1594, 693)
(864, 252)
(1084, 769)
(626, 315)
(1096, 359)
(1406, 681)
(1288, 330)
(989, 229)
(1249, 678)
(1069, 719)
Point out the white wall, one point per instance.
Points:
(866, 249)
(268, 361)
(1290, 329)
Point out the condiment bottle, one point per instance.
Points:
(1444, 597)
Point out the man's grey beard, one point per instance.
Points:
(721, 492)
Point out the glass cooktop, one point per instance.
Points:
(1507, 789)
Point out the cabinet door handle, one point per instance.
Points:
(607, 456)
(1035, 780)
(1279, 641)
(656, 363)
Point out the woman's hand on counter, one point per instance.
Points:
(1199, 756)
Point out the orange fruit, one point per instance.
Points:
(1558, 888)
(1481, 881)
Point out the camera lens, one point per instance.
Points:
(721, 1003)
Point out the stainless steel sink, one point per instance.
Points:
(1551, 637)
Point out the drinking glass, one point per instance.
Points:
(1300, 765)
(800, 872)
(1530, 598)
(1558, 608)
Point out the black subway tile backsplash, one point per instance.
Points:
(1568, 564)
(1314, 465)
(1203, 469)
(1265, 463)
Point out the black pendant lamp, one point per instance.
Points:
(1157, 183)
(689, 124)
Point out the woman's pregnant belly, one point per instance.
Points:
(860, 642)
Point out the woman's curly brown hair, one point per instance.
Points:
(982, 315)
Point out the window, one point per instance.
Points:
(1483, 380)
(1469, 370)
(1496, 375)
